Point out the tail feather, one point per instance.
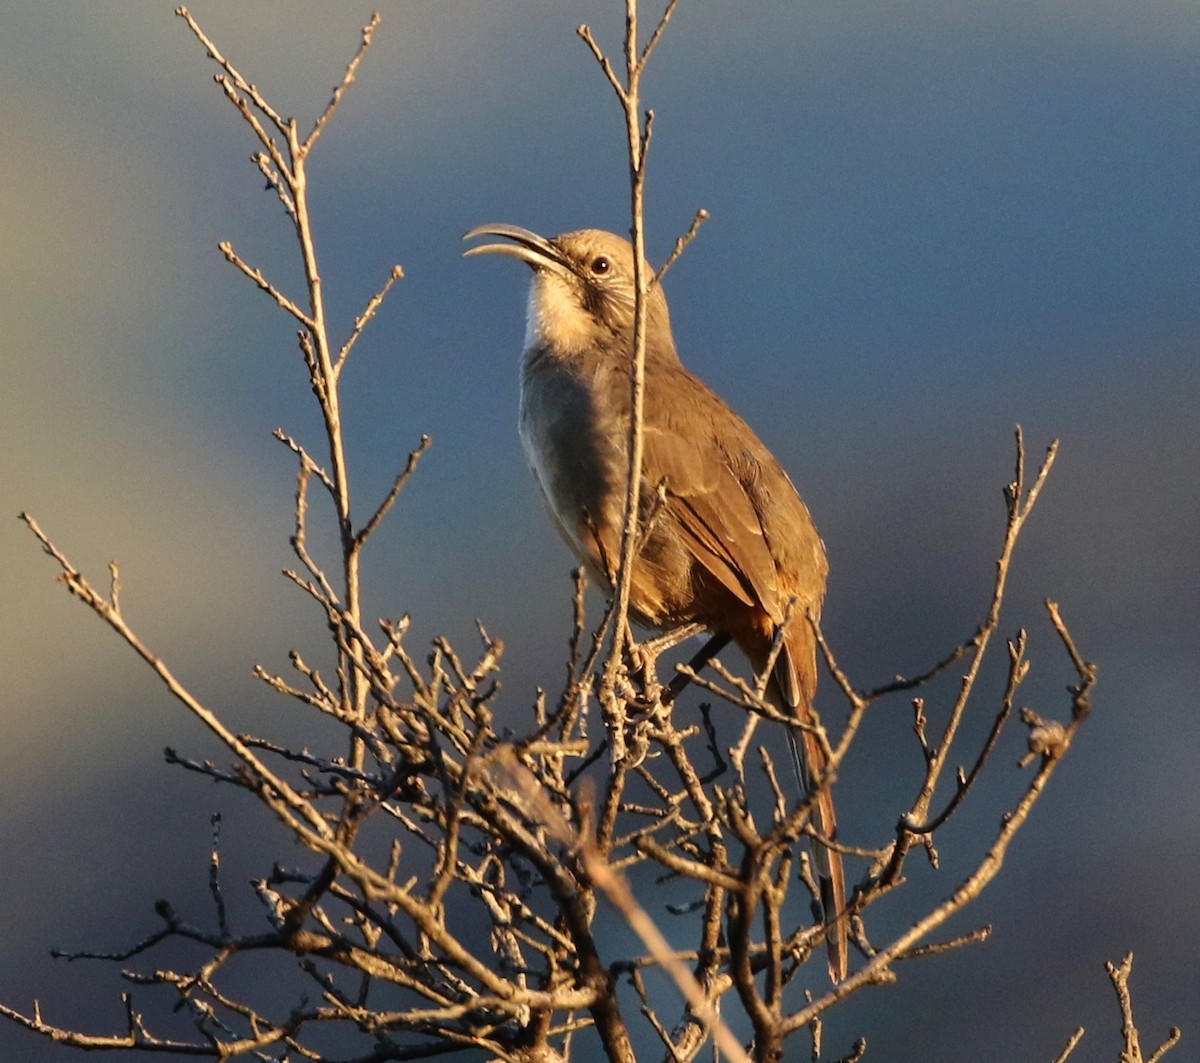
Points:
(831, 873)
(792, 688)
(796, 682)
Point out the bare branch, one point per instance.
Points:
(616, 888)
(294, 804)
(652, 43)
(376, 518)
(1020, 505)
(1119, 976)
(1076, 1037)
(585, 33)
(680, 244)
(347, 80)
(256, 275)
(231, 72)
(366, 317)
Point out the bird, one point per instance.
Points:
(729, 543)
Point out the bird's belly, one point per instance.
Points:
(582, 468)
(579, 469)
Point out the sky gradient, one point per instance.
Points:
(930, 221)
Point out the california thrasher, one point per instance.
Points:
(732, 547)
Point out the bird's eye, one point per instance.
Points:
(600, 265)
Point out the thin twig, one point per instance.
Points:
(257, 276)
(365, 318)
(680, 244)
(231, 71)
(347, 80)
(1119, 976)
(1076, 1037)
(617, 889)
(389, 500)
(78, 585)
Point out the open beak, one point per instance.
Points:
(535, 251)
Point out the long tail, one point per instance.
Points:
(831, 874)
(795, 680)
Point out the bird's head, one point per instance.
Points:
(583, 289)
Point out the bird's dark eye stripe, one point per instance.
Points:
(600, 264)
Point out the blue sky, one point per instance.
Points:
(930, 222)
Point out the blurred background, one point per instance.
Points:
(930, 221)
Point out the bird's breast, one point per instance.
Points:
(575, 445)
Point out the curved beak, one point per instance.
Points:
(535, 251)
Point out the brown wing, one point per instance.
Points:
(724, 492)
(738, 515)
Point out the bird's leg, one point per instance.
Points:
(644, 655)
(707, 652)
